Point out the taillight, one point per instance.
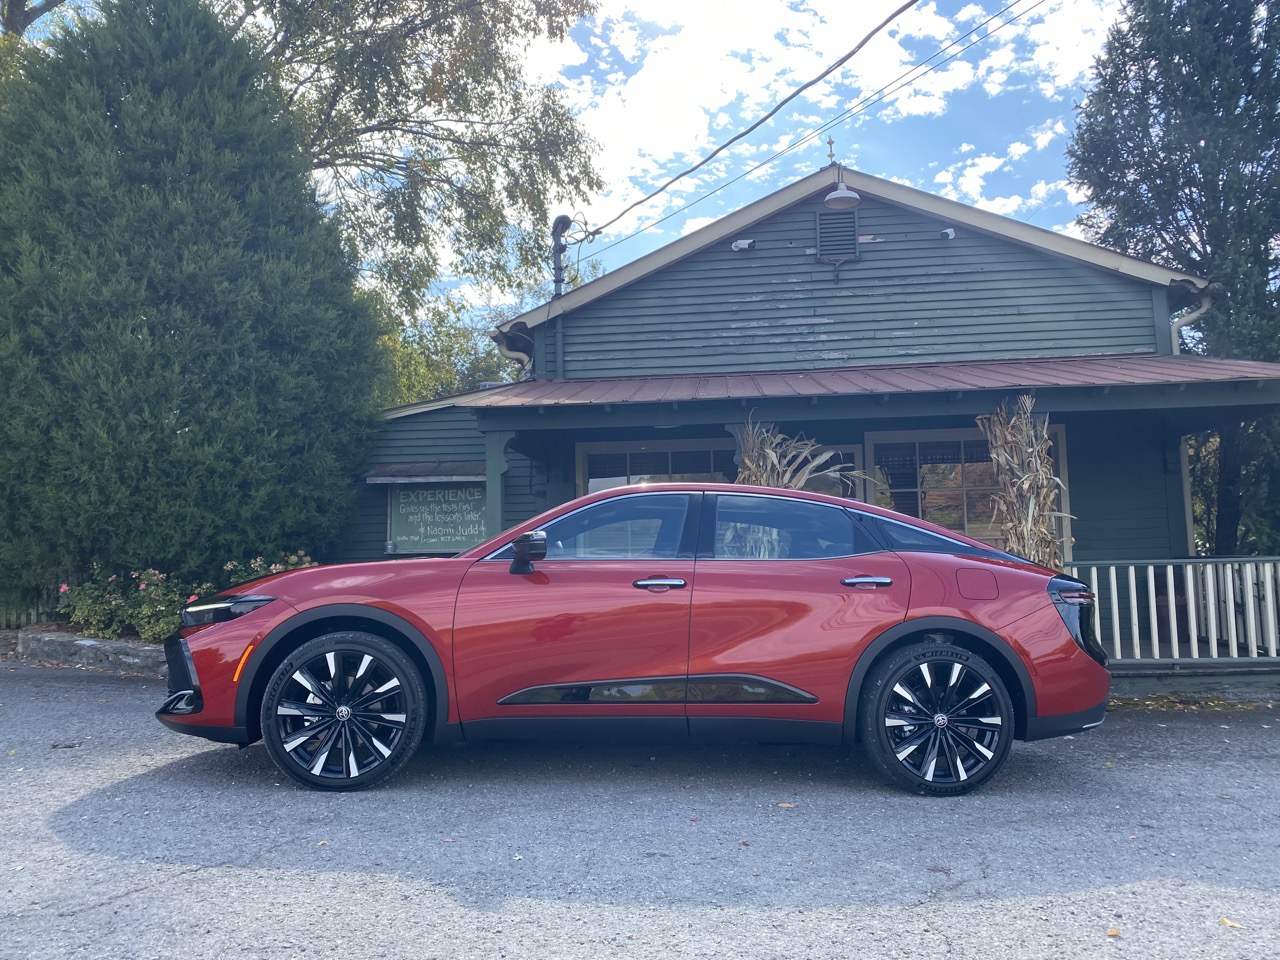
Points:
(1074, 602)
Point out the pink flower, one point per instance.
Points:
(142, 586)
(63, 588)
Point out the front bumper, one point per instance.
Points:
(186, 701)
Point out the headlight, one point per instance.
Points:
(220, 610)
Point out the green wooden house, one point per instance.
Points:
(882, 331)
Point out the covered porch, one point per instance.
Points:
(1118, 423)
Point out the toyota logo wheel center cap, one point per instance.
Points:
(344, 712)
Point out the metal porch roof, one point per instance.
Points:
(881, 379)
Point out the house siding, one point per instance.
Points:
(912, 296)
(1118, 477)
(448, 433)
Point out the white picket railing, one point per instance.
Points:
(1186, 609)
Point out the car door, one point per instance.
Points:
(789, 592)
(596, 639)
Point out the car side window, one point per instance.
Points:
(644, 527)
(773, 528)
(902, 536)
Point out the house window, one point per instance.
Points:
(947, 477)
(602, 466)
(848, 482)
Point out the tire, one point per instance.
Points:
(344, 711)
(936, 719)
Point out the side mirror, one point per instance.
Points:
(528, 547)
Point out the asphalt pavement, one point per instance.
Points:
(1155, 836)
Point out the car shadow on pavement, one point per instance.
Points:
(776, 826)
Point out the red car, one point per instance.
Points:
(674, 611)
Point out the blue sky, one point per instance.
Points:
(660, 83)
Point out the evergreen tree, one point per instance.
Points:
(1178, 150)
(188, 375)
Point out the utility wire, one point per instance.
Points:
(782, 103)
(902, 80)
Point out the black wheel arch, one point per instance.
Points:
(963, 633)
(333, 618)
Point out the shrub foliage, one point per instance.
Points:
(187, 371)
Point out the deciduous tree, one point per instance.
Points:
(1177, 148)
(425, 134)
(16, 16)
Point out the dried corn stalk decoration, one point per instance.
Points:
(1027, 500)
(768, 458)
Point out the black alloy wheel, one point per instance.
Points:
(344, 711)
(936, 719)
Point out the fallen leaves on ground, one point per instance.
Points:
(1186, 702)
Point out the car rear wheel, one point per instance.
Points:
(344, 711)
(936, 719)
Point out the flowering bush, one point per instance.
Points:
(148, 603)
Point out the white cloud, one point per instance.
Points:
(1045, 134)
(1005, 206)
(661, 83)
(973, 174)
(1072, 229)
(696, 223)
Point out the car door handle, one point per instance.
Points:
(673, 583)
(867, 582)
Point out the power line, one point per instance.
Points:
(782, 103)
(902, 80)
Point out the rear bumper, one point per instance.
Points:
(1059, 725)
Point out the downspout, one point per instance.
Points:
(498, 337)
(1206, 301)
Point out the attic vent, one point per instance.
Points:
(837, 236)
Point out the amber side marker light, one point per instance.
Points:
(244, 658)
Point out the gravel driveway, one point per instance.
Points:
(1156, 836)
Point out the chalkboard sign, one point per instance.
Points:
(436, 517)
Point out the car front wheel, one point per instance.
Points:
(344, 711)
(936, 719)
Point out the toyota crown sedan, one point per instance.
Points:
(707, 612)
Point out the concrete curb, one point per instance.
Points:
(48, 643)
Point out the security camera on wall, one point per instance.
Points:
(740, 245)
(948, 234)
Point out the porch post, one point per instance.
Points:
(495, 469)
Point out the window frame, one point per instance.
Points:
(584, 450)
(1057, 433)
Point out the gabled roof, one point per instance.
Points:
(946, 211)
